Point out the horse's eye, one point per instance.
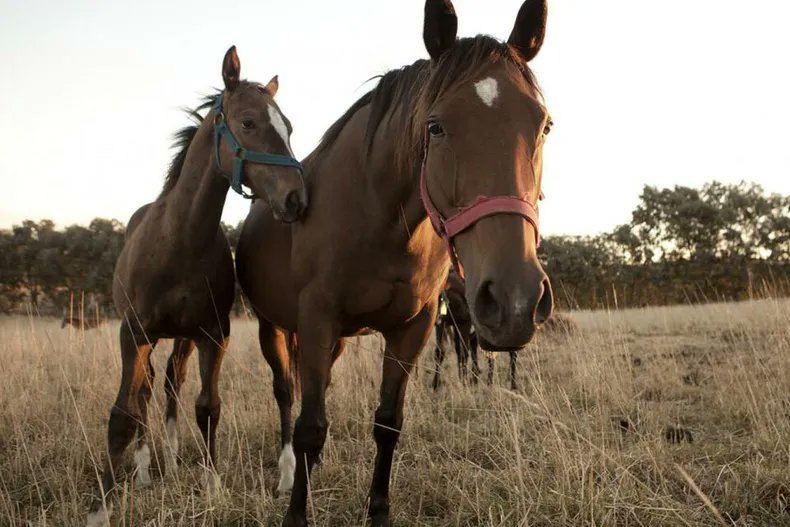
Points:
(547, 128)
(435, 129)
(248, 124)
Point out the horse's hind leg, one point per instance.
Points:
(513, 358)
(125, 415)
(463, 355)
(142, 453)
(403, 348)
(472, 340)
(176, 373)
(438, 355)
(275, 348)
(208, 403)
(318, 336)
(490, 357)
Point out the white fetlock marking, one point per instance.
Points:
(142, 459)
(172, 443)
(99, 518)
(287, 464)
(212, 484)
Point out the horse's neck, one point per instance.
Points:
(195, 204)
(395, 189)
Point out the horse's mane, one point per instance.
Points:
(419, 86)
(183, 138)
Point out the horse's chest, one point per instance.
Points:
(379, 303)
(179, 293)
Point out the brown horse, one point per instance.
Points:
(463, 130)
(174, 276)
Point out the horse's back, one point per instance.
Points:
(263, 267)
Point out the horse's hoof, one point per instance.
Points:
(381, 519)
(293, 520)
(379, 511)
(142, 460)
(211, 482)
(99, 517)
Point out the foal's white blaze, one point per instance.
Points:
(287, 466)
(99, 518)
(142, 458)
(488, 90)
(279, 125)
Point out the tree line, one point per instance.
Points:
(718, 242)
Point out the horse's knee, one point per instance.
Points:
(386, 426)
(207, 409)
(309, 435)
(122, 427)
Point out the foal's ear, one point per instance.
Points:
(231, 69)
(530, 28)
(272, 86)
(440, 27)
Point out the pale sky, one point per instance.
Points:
(659, 93)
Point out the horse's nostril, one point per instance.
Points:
(545, 305)
(487, 307)
(293, 203)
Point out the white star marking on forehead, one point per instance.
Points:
(488, 90)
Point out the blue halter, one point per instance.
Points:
(241, 154)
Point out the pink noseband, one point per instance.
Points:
(481, 207)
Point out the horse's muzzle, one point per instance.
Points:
(506, 315)
(293, 208)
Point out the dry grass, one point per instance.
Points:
(584, 443)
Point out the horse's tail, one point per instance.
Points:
(293, 362)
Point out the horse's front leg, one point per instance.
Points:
(403, 348)
(208, 404)
(438, 354)
(318, 336)
(174, 379)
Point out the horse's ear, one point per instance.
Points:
(272, 86)
(231, 69)
(530, 28)
(440, 27)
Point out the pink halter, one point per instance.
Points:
(481, 207)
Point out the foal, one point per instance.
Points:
(174, 277)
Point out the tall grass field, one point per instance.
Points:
(656, 417)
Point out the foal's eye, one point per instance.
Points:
(248, 124)
(547, 128)
(435, 129)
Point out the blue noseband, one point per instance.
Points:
(241, 154)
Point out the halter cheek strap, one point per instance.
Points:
(481, 207)
(241, 154)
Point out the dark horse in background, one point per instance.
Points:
(459, 136)
(454, 326)
(174, 277)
